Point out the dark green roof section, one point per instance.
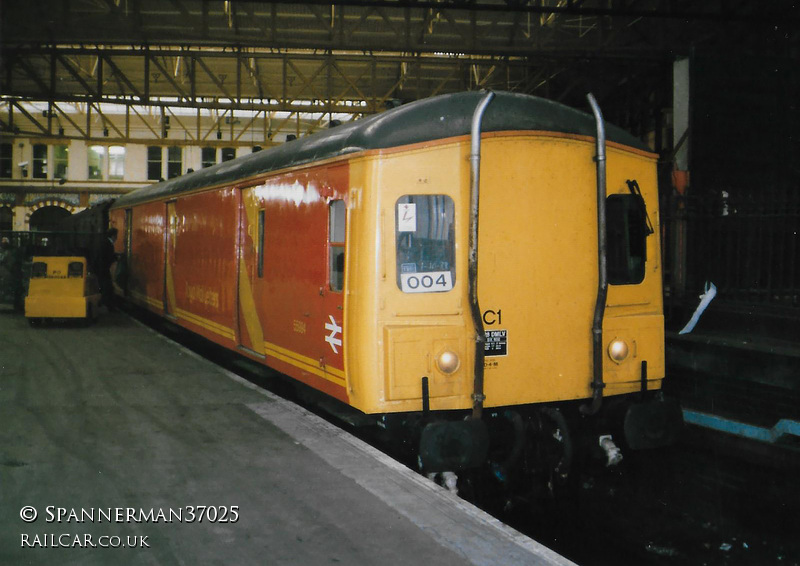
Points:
(425, 120)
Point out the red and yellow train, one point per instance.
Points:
(484, 266)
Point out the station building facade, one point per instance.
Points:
(43, 179)
(53, 164)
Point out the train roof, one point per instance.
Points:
(429, 119)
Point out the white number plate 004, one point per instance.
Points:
(429, 282)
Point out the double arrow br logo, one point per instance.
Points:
(335, 330)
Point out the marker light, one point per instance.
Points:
(448, 362)
(618, 350)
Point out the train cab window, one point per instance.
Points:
(425, 239)
(75, 269)
(336, 232)
(39, 269)
(626, 230)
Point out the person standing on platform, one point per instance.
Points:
(108, 256)
(6, 272)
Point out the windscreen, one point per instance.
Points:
(425, 237)
(627, 230)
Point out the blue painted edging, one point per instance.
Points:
(784, 427)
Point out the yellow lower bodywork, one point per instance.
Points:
(57, 307)
(58, 295)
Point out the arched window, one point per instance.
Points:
(47, 218)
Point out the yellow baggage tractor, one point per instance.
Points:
(61, 287)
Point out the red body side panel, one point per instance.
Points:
(203, 266)
(146, 258)
(293, 298)
(195, 258)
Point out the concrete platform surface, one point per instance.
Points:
(118, 446)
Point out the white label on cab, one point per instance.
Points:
(429, 282)
(407, 217)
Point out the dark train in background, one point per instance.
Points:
(477, 272)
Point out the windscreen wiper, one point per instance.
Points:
(633, 186)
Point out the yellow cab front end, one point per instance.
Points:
(410, 318)
(61, 287)
(537, 276)
(411, 329)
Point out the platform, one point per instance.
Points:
(741, 379)
(125, 436)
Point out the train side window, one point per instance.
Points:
(425, 240)
(336, 232)
(626, 231)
